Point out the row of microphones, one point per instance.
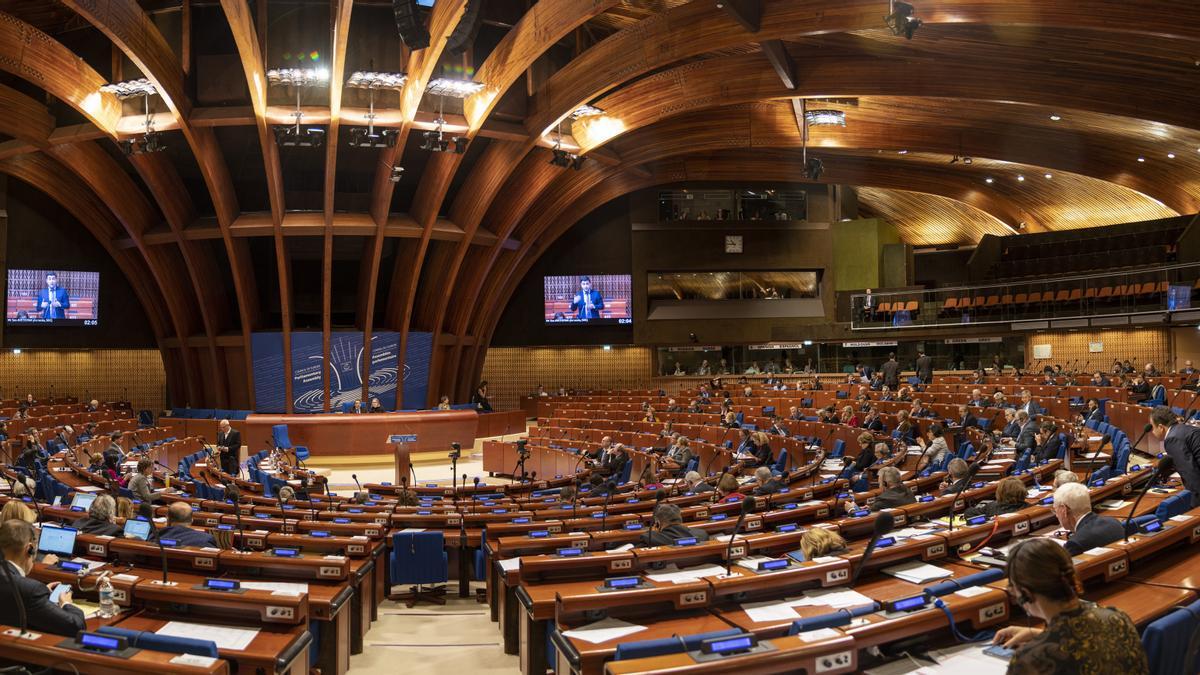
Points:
(1166, 467)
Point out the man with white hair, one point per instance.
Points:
(99, 518)
(767, 483)
(695, 483)
(229, 444)
(1073, 508)
(893, 492)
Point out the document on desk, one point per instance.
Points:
(604, 630)
(674, 575)
(225, 637)
(917, 572)
(965, 659)
(836, 598)
(510, 564)
(284, 587)
(770, 610)
(1113, 504)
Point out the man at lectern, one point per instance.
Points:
(53, 301)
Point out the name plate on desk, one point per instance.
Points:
(402, 438)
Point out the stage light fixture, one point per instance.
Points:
(151, 140)
(397, 174)
(825, 118)
(368, 79)
(367, 137)
(813, 168)
(902, 20)
(445, 86)
(299, 77)
(293, 136)
(130, 89)
(585, 111)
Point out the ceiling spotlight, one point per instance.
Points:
(1020, 179)
(1141, 159)
(901, 20)
(445, 86)
(130, 88)
(813, 168)
(1049, 176)
(560, 157)
(301, 77)
(293, 136)
(825, 118)
(989, 180)
(1170, 155)
(967, 160)
(901, 152)
(366, 79)
(585, 111)
(1055, 118)
(397, 173)
(367, 137)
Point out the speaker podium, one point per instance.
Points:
(401, 442)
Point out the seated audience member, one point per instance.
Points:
(977, 399)
(1027, 436)
(1029, 405)
(935, 449)
(95, 463)
(745, 444)
(357, 409)
(17, 510)
(670, 528)
(767, 483)
(647, 480)
(905, 428)
(1048, 442)
(778, 428)
(1010, 497)
(18, 542)
(1099, 379)
(872, 421)
(794, 414)
(885, 394)
(613, 461)
(1094, 414)
(673, 407)
(828, 416)
(762, 449)
(100, 518)
(649, 416)
(965, 419)
(179, 520)
(893, 493)
(866, 454)
(818, 542)
(848, 417)
(139, 482)
(1140, 390)
(731, 421)
(695, 407)
(919, 409)
(1011, 428)
(695, 483)
(728, 489)
(1079, 636)
(376, 406)
(998, 400)
(444, 403)
(904, 394)
(1064, 476)
(1073, 507)
(678, 457)
(125, 506)
(956, 479)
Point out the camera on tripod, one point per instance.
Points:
(455, 451)
(522, 451)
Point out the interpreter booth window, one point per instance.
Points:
(739, 204)
(757, 285)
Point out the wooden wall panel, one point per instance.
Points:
(1139, 345)
(105, 374)
(514, 372)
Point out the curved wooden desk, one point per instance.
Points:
(346, 435)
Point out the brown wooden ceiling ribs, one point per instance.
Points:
(24, 118)
(339, 34)
(544, 24)
(134, 32)
(421, 66)
(246, 37)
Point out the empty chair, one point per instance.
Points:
(419, 559)
(1173, 642)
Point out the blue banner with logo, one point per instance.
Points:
(417, 355)
(266, 350)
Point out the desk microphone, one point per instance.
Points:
(1166, 466)
(473, 493)
(884, 523)
(971, 471)
(237, 514)
(282, 512)
(360, 490)
(609, 487)
(748, 505)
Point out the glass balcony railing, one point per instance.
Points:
(1149, 290)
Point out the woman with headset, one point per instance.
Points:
(1079, 636)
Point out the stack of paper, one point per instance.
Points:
(604, 630)
(834, 597)
(917, 572)
(225, 637)
(1113, 504)
(276, 586)
(673, 575)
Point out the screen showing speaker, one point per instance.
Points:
(52, 297)
(588, 298)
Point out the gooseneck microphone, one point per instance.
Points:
(1166, 467)
(884, 523)
(609, 487)
(748, 505)
(1095, 455)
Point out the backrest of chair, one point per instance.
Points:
(279, 435)
(839, 448)
(1174, 505)
(782, 462)
(1172, 641)
(418, 558)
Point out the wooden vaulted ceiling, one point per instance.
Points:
(1097, 94)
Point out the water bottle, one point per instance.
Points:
(108, 608)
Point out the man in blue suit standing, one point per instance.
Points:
(53, 301)
(587, 303)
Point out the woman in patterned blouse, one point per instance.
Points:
(1080, 636)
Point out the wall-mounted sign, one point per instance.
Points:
(1095, 347)
(972, 341)
(871, 343)
(1043, 352)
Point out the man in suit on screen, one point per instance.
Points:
(587, 303)
(53, 301)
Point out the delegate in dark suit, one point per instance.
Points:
(1026, 440)
(925, 369)
(1092, 531)
(1049, 449)
(587, 304)
(40, 614)
(968, 421)
(668, 535)
(893, 497)
(891, 374)
(1183, 445)
(229, 444)
(53, 303)
(186, 536)
(613, 462)
(769, 488)
(90, 525)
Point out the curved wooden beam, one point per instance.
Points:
(339, 34)
(134, 32)
(543, 25)
(25, 119)
(421, 65)
(241, 23)
(114, 187)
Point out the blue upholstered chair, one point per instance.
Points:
(683, 643)
(162, 643)
(1173, 642)
(279, 436)
(418, 560)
